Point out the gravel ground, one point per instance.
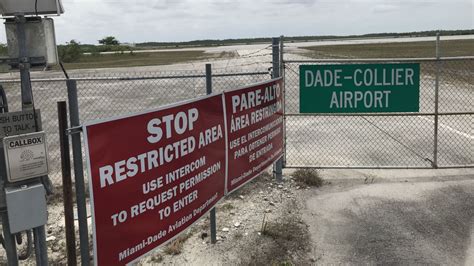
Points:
(356, 217)
(259, 224)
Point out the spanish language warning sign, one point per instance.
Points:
(152, 175)
(254, 117)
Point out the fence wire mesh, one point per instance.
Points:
(115, 94)
(388, 140)
(376, 140)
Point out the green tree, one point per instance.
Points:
(109, 40)
(71, 52)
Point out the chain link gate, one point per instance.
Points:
(388, 140)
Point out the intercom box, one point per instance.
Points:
(26, 207)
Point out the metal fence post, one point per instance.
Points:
(278, 165)
(9, 240)
(212, 214)
(435, 138)
(67, 184)
(41, 250)
(282, 74)
(24, 63)
(78, 172)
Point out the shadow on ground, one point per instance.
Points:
(435, 230)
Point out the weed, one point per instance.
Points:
(157, 258)
(309, 177)
(369, 179)
(175, 247)
(282, 263)
(284, 242)
(285, 230)
(266, 176)
(238, 235)
(227, 207)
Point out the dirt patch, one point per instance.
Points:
(286, 240)
(260, 224)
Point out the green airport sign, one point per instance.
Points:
(360, 88)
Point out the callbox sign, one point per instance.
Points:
(255, 130)
(26, 156)
(359, 88)
(152, 175)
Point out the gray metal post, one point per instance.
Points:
(39, 233)
(10, 246)
(208, 79)
(275, 57)
(37, 248)
(40, 246)
(212, 215)
(9, 239)
(435, 139)
(24, 64)
(78, 172)
(278, 165)
(282, 74)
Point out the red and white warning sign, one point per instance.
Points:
(254, 117)
(152, 175)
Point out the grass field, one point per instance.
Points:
(142, 59)
(451, 70)
(392, 50)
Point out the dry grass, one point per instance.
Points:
(176, 246)
(227, 207)
(285, 240)
(392, 50)
(283, 230)
(142, 59)
(308, 177)
(157, 258)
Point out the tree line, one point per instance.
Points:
(73, 50)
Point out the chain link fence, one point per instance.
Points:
(388, 140)
(114, 94)
(400, 140)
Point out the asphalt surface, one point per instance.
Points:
(377, 219)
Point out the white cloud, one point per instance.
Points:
(182, 20)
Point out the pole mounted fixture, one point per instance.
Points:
(31, 7)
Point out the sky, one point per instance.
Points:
(134, 21)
